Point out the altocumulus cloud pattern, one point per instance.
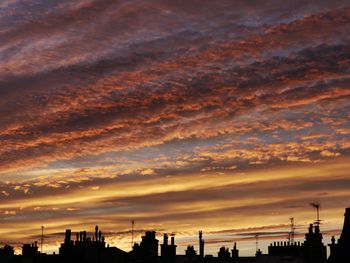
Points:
(170, 113)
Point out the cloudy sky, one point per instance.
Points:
(228, 116)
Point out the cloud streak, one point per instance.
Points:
(171, 111)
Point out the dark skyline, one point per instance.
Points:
(171, 112)
(86, 247)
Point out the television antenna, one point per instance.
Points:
(292, 230)
(317, 206)
(42, 239)
(132, 233)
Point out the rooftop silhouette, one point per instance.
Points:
(93, 249)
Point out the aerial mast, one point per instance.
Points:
(132, 232)
(317, 206)
(292, 230)
(42, 239)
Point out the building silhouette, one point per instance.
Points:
(7, 253)
(314, 250)
(201, 244)
(147, 250)
(340, 252)
(191, 254)
(93, 249)
(89, 249)
(311, 251)
(168, 251)
(224, 255)
(235, 253)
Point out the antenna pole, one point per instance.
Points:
(317, 206)
(132, 233)
(42, 239)
(292, 229)
(257, 241)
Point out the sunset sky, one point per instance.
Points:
(226, 116)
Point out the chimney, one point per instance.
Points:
(310, 229)
(201, 244)
(165, 239)
(235, 252)
(67, 238)
(96, 233)
(100, 236)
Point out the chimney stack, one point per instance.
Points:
(165, 239)
(67, 238)
(201, 245)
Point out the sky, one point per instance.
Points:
(226, 116)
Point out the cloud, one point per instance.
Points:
(120, 109)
